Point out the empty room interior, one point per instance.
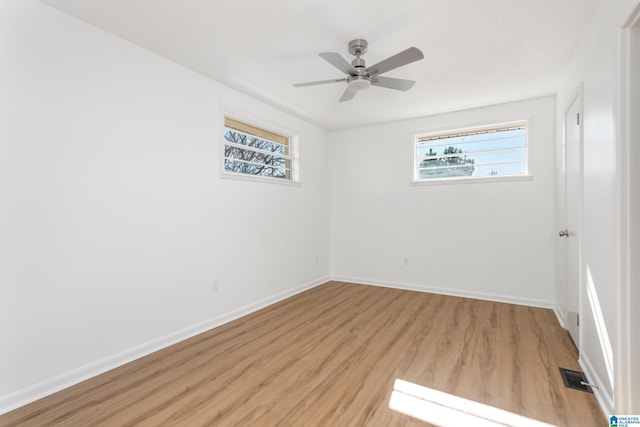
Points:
(331, 213)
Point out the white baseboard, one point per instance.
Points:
(447, 291)
(605, 400)
(560, 315)
(37, 391)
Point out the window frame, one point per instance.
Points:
(266, 128)
(452, 131)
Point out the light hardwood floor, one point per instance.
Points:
(329, 357)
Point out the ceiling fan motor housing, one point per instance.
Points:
(358, 64)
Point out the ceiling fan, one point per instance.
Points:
(359, 77)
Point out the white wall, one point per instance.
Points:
(488, 240)
(114, 219)
(595, 64)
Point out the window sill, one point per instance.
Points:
(478, 180)
(263, 179)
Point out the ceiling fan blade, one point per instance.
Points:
(339, 62)
(320, 82)
(347, 95)
(392, 83)
(398, 60)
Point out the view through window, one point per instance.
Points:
(250, 150)
(486, 152)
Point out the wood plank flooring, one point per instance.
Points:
(329, 357)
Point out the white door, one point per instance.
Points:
(573, 193)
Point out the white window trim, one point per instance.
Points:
(293, 155)
(476, 180)
(527, 176)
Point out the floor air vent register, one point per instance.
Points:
(575, 380)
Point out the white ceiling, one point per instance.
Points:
(476, 52)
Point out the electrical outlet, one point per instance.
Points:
(316, 259)
(405, 261)
(214, 286)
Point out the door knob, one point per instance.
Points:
(563, 233)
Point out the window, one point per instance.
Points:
(484, 152)
(250, 150)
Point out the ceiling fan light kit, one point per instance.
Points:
(359, 77)
(358, 83)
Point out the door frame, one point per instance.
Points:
(625, 392)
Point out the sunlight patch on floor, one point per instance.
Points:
(444, 409)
